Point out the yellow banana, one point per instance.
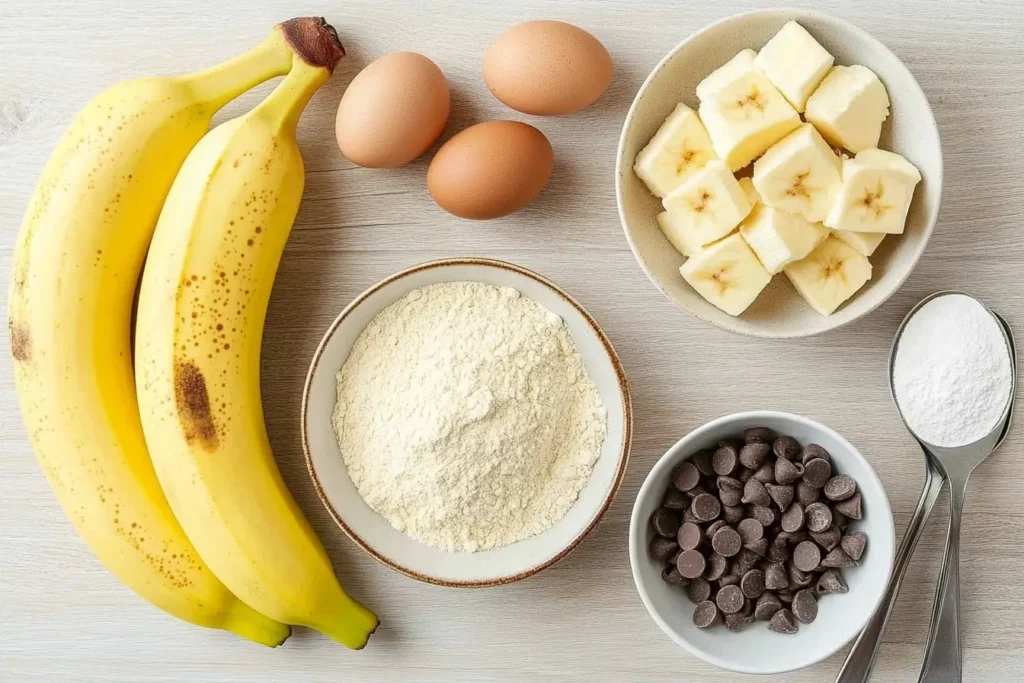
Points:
(75, 268)
(202, 306)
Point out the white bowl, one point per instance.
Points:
(371, 531)
(910, 130)
(755, 649)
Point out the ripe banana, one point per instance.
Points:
(75, 268)
(202, 306)
(799, 175)
(829, 275)
(876, 193)
(779, 238)
(679, 148)
(708, 205)
(727, 274)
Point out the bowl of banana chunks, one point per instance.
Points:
(779, 174)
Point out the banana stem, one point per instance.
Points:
(288, 100)
(222, 83)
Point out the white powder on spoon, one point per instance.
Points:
(466, 417)
(952, 374)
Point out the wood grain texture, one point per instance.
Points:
(66, 618)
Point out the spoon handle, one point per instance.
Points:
(858, 665)
(943, 661)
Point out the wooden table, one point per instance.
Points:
(66, 618)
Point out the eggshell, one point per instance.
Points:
(393, 110)
(490, 169)
(547, 68)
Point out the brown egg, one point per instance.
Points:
(393, 110)
(490, 169)
(547, 68)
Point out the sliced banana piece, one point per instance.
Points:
(748, 188)
(708, 205)
(745, 117)
(864, 242)
(779, 238)
(829, 275)
(727, 274)
(795, 63)
(675, 231)
(799, 174)
(875, 195)
(849, 107)
(679, 148)
(726, 74)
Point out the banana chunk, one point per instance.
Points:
(745, 116)
(800, 174)
(748, 188)
(726, 74)
(829, 275)
(707, 206)
(875, 196)
(679, 148)
(795, 63)
(779, 238)
(677, 233)
(864, 242)
(727, 274)
(848, 108)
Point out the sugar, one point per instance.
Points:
(952, 374)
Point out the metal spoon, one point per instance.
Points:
(861, 659)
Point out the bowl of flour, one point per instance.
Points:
(466, 422)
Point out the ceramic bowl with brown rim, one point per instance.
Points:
(368, 528)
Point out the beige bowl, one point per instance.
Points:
(910, 130)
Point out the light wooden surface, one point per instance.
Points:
(66, 618)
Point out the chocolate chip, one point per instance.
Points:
(781, 494)
(840, 487)
(812, 451)
(752, 583)
(818, 516)
(793, 518)
(716, 568)
(731, 496)
(817, 472)
(786, 597)
(750, 530)
(754, 493)
(807, 556)
(705, 507)
(832, 582)
(725, 458)
(713, 528)
(793, 537)
(765, 473)
(758, 435)
(689, 536)
(747, 559)
(797, 578)
(732, 514)
(729, 599)
(806, 494)
(851, 507)
(691, 564)
(728, 580)
(675, 500)
(670, 574)
(685, 476)
(839, 519)
(786, 447)
(767, 605)
(758, 547)
(744, 474)
(726, 483)
(827, 539)
(805, 606)
(706, 615)
(674, 557)
(838, 558)
(786, 472)
(665, 523)
(662, 548)
(736, 622)
(853, 543)
(699, 590)
(748, 609)
(753, 455)
(782, 622)
(778, 551)
(763, 514)
(702, 460)
(776, 577)
(726, 542)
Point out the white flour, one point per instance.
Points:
(952, 373)
(466, 418)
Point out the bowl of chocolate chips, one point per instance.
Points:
(762, 542)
